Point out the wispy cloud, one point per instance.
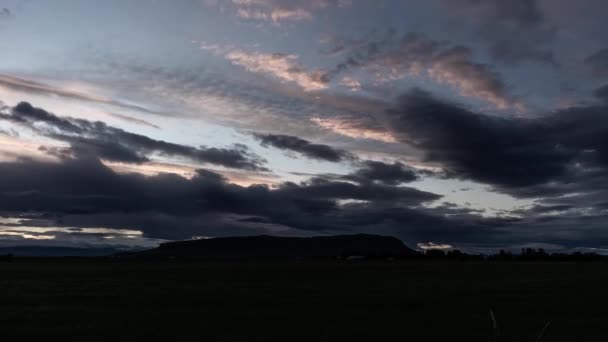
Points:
(514, 31)
(393, 57)
(17, 231)
(277, 11)
(281, 66)
(352, 129)
(455, 68)
(35, 87)
(133, 120)
(350, 83)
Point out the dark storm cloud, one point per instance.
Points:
(25, 112)
(515, 31)
(585, 129)
(580, 187)
(84, 187)
(82, 192)
(602, 93)
(104, 149)
(304, 147)
(513, 154)
(369, 172)
(484, 148)
(327, 189)
(86, 137)
(598, 63)
(388, 174)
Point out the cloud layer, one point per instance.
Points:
(394, 56)
(114, 144)
(304, 147)
(278, 11)
(567, 151)
(468, 123)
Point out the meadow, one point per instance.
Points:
(99, 299)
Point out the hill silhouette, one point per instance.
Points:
(272, 247)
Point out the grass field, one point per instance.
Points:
(302, 301)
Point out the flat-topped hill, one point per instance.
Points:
(271, 247)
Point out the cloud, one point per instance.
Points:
(598, 63)
(602, 93)
(16, 231)
(470, 145)
(278, 11)
(320, 188)
(523, 12)
(34, 87)
(131, 119)
(515, 31)
(255, 104)
(388, 174)
(84, 189)
(557, 161)
(392, 57)
(555, 154)
(281, 66)
(83, 193)
(5, 13)
(355, 129)
(455, 67)
(434, 246)
(98, 139)
(26, 113)
(304, 147)
(350, 83)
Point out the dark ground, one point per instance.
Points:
(302, 301)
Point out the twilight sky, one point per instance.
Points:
(477, 124)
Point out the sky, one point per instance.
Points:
(470, 124)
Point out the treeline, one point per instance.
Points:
(526, 254)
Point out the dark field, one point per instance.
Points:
(302, 301)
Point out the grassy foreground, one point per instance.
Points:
(302, 301)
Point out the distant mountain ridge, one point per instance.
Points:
(48, 251)
(272, 247)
